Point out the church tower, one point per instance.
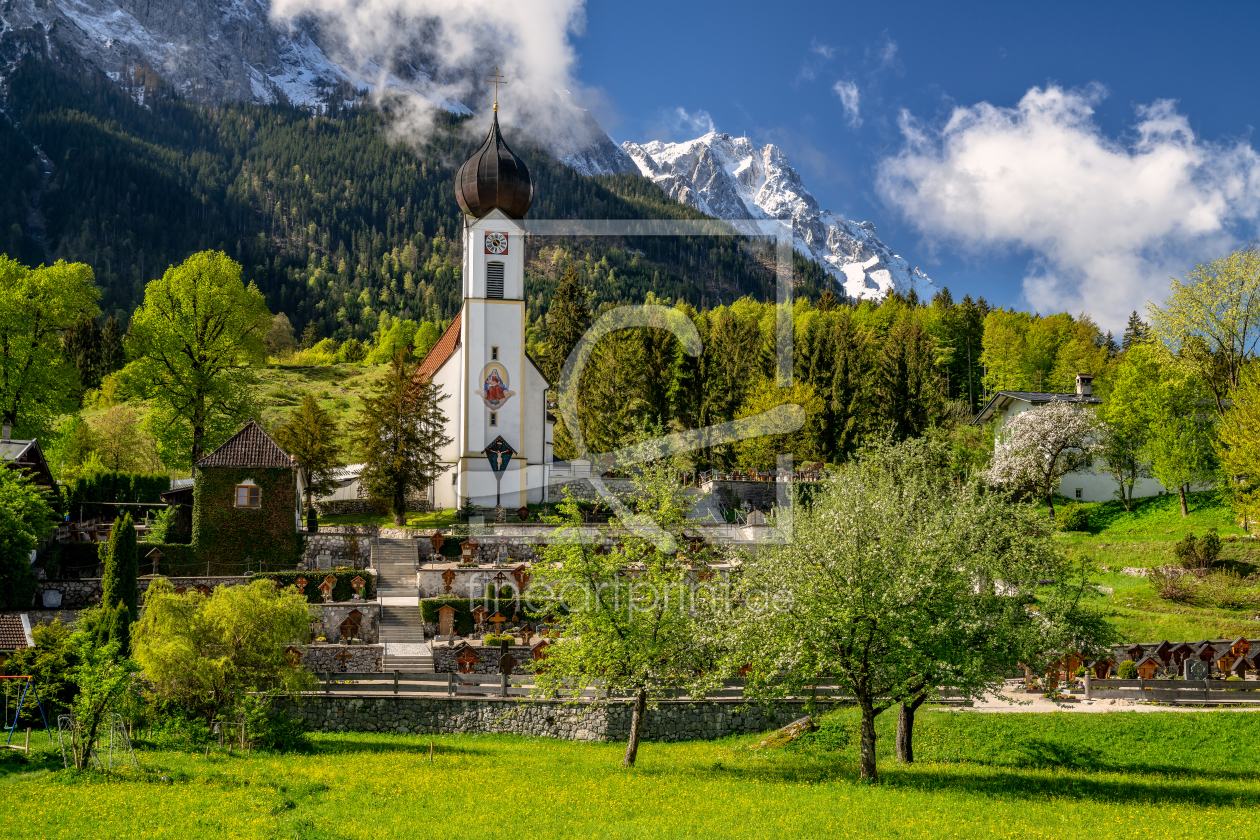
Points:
(496, 394)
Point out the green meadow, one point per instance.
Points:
(1122, 775)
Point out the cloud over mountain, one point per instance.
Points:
(1107, 220)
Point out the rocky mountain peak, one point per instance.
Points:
(730, 178)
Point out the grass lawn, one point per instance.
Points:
(1144, 537)
(434, 519)
(337, 388)
(1125, 775)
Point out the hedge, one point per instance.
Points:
(464, 623)
(342, 590)
(117, 487)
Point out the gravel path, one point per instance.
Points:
(1013, 699)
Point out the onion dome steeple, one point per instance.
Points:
(494, 177)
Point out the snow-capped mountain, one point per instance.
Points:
(729, 178)
(215, 51)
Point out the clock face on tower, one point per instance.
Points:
(496, 243)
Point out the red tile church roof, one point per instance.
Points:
(443, 350)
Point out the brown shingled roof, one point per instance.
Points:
(443, 350)
(250, 447)
(12, 636)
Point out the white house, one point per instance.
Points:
(1088, 484)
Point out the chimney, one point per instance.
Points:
(1084, 384)
(6, 431)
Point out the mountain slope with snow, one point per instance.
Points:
(729, 178)
(216, 51)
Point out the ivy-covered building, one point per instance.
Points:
(247, 501)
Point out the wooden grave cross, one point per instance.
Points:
(155, 555)
(526, 634)
(326, 589)
(437, 540)
(467, 660)
(522, 577)
(497, 620)
(479, 616)
(343, 658)
(301, 584)
(500, 579)
(448, 577)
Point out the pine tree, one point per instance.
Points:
(1134, 332)
(120, 591)
(310, 436)
(113, 354)
(310, 336)
(398, 433)
(909, 381)
(82, 343)
(827, 302)
(567, 321)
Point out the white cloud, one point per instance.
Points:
(442, 49)
(1108, 220)
(825, 50)
(885, 53)
(850, 99)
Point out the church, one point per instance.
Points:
(496, 406)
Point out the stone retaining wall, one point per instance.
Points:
(332, 614)
(345, 545)
(672, 720)
(581, 488)
(363, 658)
(84, 592)
(760, 495)
(445, 656)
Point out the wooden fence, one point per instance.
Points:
(1192, 692)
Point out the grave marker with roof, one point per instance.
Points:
(446, 620)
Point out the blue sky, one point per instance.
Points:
(771, 71)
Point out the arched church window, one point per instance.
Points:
(494, 280)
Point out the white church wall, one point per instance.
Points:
(535, 415)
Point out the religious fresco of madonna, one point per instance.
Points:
(494, 389)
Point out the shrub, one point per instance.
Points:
(492, 640)
(1227, 590)
(1072, 518)
(1170, 584)
(1198, 554)
(1079, 672)
(1127, 670)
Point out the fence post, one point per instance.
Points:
(1089, 689)
(450, 683)
(503, 681)
(395, 680)
(328, 682)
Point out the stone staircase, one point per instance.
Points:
(401, 629)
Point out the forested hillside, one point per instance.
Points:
(335, 224)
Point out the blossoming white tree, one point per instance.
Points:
(1036, 448)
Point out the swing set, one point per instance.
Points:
(24, 691)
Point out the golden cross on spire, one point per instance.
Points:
(496, 80)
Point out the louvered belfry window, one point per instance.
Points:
(494, 280)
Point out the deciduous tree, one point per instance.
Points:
(192, 344)
(897, 580)
(1212, 321)
(37, 381)
(630, 624)
(207, 654)
(1035, 449)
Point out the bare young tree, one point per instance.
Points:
(1036, 448)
